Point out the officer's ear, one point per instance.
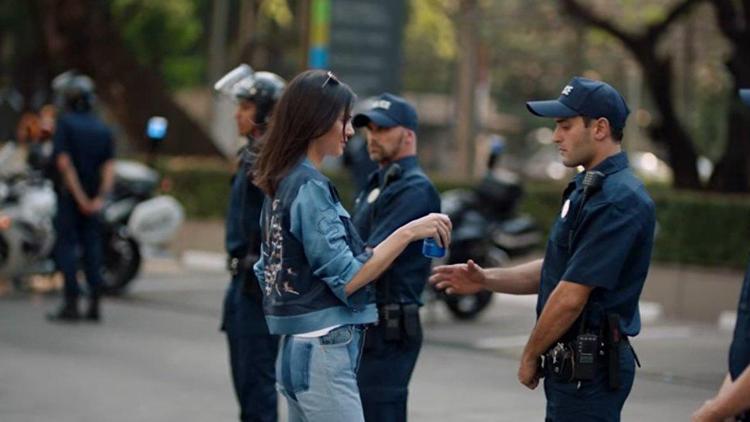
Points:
(410, 136)
(602, 129)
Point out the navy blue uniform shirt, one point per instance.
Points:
(739, 352)
(610, 249)
(243, 217)
(89, 144)
(408, 195)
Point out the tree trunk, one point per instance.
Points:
(466, 122)
(667, 130)
(91, 44)
(732, 171)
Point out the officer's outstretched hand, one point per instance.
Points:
(459, 279)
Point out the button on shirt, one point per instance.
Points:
(609, 250)
(89, 144)
(408, 195)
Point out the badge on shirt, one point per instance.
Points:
(373, 195)
(565, 208)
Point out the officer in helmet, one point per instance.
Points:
(252, 350)
(83, 156)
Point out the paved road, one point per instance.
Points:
(159, 357)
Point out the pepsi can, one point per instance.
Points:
(430, 249)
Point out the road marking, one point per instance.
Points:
(204, 260)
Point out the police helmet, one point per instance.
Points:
(262, 88)
(74, 90)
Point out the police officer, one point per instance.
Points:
(252, 350)
(84, 162)
(733, 398)
(397, 193)
(593, 271)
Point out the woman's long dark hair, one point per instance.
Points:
(310, 105)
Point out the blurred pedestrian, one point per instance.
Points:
(84, 162)
(252, 350)
(313, 268)
(396, 193)
(593, 271)
(733, 399)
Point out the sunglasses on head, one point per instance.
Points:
(331, 78)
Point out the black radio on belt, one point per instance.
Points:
(574, 361)
(586, 351)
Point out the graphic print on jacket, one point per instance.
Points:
(274, 266)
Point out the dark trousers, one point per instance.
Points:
(594, 401)
(384, 374)
(75, 232)
(252, 355)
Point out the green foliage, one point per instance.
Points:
(278, 11)
(430, 46)
(164, 35)
(693, 228)
(702, 229)
(204, 192)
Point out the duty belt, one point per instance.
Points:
(237, 265)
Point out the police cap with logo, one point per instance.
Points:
(388, 110)
(585, 97)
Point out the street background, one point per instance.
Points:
(158, 356)
(468, 66)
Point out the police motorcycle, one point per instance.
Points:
(487, 229)
(27, 206)
(135, 217)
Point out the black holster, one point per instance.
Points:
(400, 321)
(244, 266)
(613, 337)
(575, 359)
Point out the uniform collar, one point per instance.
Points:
(406, 163)
(611, 164)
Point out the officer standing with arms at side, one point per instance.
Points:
(252, 350)
(733, 398)
(397, 193)
(595, 264)
(83, 155)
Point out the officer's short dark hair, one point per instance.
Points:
(617, 133)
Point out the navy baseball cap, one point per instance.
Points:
(388, 110)
(585, 97)
(745, 96)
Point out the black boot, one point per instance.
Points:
(68, 312)
(92, 313)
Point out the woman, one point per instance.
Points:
(314, 269)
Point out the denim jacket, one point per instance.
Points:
(310, 251)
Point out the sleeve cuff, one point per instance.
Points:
(357, 263)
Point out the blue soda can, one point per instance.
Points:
(430, 249)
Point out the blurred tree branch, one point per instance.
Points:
(81, 34)
(733, 168)
(657, 72)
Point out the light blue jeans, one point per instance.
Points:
(318, 376)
